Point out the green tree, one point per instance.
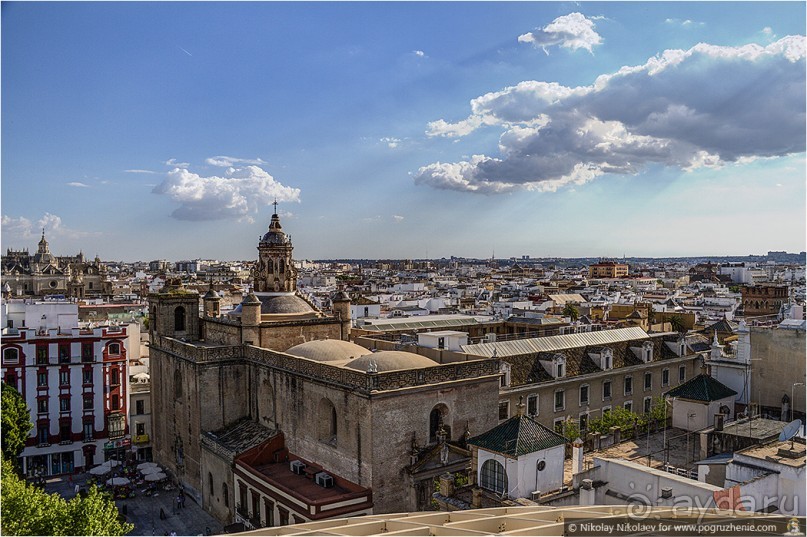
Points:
(570, 429)
(16, 423)
(677, 323)
(27, 510)
(570, 310)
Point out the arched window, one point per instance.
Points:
(327, 422)
(177, 384)
(226, 494)
(114, 348)
(493, 477)
(11, 355)
(179, 319)
(438, 417)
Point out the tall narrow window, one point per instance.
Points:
(179, 319)
(532, 405)
(177, 384)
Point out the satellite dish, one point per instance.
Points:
(790, 430)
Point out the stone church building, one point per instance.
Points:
(40, 274)
(248, 402)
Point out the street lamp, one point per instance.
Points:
(792, 402)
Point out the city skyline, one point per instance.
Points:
(404, 130)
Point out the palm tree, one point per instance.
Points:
(677, 323)
(571, 311)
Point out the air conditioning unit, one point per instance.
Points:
(298, 467)
(324, 480)
(536, 495)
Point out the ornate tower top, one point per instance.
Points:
(275, 272)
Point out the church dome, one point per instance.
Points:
(275, 236)
(391, 361)
(328, 350)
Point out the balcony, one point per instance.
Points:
(140, 439)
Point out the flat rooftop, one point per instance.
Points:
(780, 452)
(759, 428)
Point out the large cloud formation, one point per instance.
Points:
(237, 195)
(702, 107)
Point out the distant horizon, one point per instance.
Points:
(150, 129)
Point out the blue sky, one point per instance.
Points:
(404, 130)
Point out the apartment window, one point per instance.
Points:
(532, 405)
(65, 434)
(86, 352)
(606, 410)
(42, 355)
(628, 406)
(584, 395)
(140, 407)
(114, 349)
(560, 400)
(42, 406)
(665, 377)
(648, 381)
(64, 354)
(42, 378)
(583, 422)
(558, 425)
(628, 385)
(86, 376)
(87, 431)
(682, 373)
(42, 434)
(11, 356)
(560, 369)
(115, 402)
(140, 429)
(606, 390)
(64, 404)
(504, 410)
(504, 380)
(114, 377)
(11, 380)
(64, 378)
(87, 402)
(647, 403)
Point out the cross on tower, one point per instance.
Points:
(275, 204)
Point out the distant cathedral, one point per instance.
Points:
(238, 395)
(41, 274)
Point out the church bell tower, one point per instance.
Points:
(275, 271)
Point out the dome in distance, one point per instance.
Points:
(328, 350)
(390, 361)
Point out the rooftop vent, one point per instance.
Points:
(324, 480)
(298, 467)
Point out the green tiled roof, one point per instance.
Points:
(702, 388)
(518, 436)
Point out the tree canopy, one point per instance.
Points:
(28, 510)
(16, 423)
(570, 310)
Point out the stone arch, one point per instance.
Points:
(327, 421)
(439, 417)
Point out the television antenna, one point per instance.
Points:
(790, 430)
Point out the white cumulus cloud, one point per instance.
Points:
(397, 218)
(702, 107)
(22, 228)
(572, 31)
(78, 184)
(392, 143)
(237, 194)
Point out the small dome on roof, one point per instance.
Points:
(328, 350)
(275, 235)
(391, 361)
(251, 299)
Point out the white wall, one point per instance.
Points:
(703, 413)
(523, 477)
